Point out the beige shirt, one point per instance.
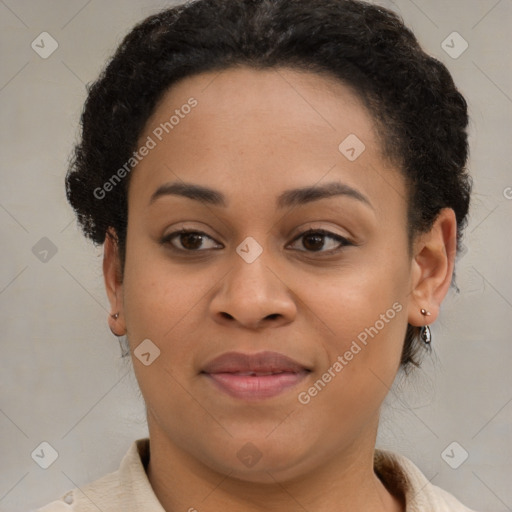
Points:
(128, 489)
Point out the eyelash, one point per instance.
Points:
(167, 240)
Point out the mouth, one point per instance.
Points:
(254, 376)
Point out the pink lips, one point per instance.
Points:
(254, 376)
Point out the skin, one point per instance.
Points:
(253, 135)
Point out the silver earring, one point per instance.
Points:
(425, 333)
(125, 347)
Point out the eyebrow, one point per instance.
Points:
(289, 198)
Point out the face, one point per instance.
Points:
(298, 247)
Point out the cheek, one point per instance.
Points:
(163, 307)
(159, 300)
(367, 320)
(370, 294)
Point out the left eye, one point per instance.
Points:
(319, 240)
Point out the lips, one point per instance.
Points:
(254, 376)
(260, 364)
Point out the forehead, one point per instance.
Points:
(261, 131)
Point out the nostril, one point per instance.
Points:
(226, 315)
(273, 316)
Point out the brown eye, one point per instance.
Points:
(319, 240)
(313, 242)
(190, 241)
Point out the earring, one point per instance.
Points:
(125, 347)
(115, 316)
(425, 333)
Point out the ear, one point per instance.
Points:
(113, 282)
(432, 268)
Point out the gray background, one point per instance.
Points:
(61, 376)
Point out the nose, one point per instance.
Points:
(253, 295)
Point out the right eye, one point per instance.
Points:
(190, 241)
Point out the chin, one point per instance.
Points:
(263, 462)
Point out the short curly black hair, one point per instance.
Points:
(420, 115)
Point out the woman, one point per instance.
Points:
(281, 189)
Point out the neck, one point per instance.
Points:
(344, 482)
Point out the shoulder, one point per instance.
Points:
(402, 476)
(101, 494)
(126, 489)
